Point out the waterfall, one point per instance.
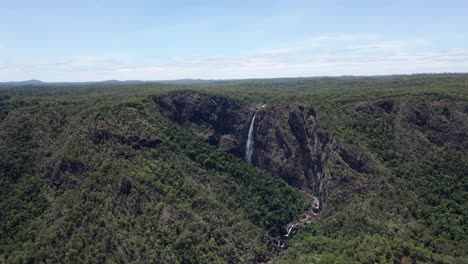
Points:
(278, 244)
(249, 147)
(289, 229)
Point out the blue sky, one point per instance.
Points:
(153, 40)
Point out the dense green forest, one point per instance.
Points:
(100, 174)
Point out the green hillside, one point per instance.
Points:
(124, 173)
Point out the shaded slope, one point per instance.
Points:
(419, 210)
(288, 142)
(394, 148)
(122, 183)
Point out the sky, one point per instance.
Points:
(63, 40)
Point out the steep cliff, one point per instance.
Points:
(214, 119)
(118, 182)
(288, 142)
(155, 172)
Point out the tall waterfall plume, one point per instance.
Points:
(249, 147)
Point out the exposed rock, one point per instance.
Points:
(376, 108)
(352, 158)
(388, 105)
(169, 215)
(228, 143)
(443, 123)
(418, 124)
(304, 156)
(276, 154)
(272, 152)
(288, 141)
(65, 172)
(146, 143)
(102, 132)
(208, 116)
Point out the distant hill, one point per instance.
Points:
(117, 82)
(343, 170)
(191, 81)
(209, 82)
(41, 83)
(24, 83)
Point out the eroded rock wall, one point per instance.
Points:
(288, 142)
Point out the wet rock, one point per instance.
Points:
(288, 141)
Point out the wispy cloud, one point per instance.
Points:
(314, 56)
(345, 38)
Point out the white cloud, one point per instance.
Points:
(347, 38)
(332, 55)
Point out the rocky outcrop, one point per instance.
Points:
(443, 123)
(101, 132)
(208, 116)
(288, 141)
(66, 172)
(228, 143)
(290, 144)
(297, 160)
(418, 124)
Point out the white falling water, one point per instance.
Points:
(289, 229)
(278, 243)
(249, 147)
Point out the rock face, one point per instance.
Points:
(297, 160)
(209, 117)
(419, 124)
(228, 143)
(288, 142)
(441, 122)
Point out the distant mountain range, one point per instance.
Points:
(34, 82)
(41, 83)
(21, 83)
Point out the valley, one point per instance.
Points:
(293, 170)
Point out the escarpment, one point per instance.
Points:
(214, 119)
(288, 142)
(309, 170)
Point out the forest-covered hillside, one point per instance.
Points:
(154, 173)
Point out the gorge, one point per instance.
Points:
(320, 170)
(288, 143)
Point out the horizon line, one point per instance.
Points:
(227, 79)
